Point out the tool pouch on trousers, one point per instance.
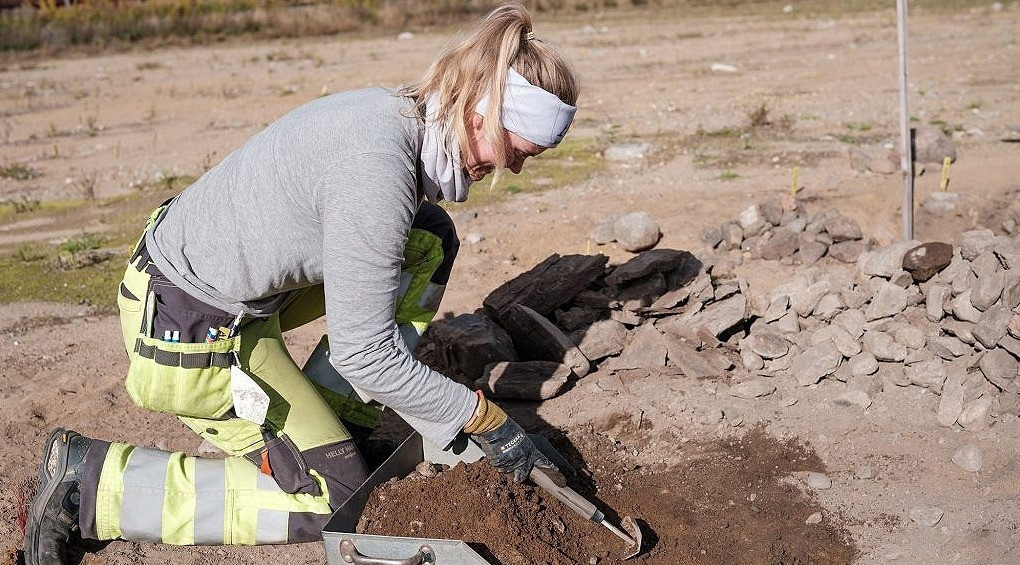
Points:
(186, 378)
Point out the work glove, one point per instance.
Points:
(505, 444)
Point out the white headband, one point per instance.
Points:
(531, 112)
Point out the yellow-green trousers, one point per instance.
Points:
(281, 480)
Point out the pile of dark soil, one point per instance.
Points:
(726, 504)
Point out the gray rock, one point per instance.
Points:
(974, 417)
(810, 252)
(857, 398)
(863, 364)
(641, 293)
(1008, 251)
(942, 203)
(885, 261)
(547, 286)
(789, 323)
(910, 336)
(524, 380)
(968, 458)
(827, 308)
(772, 210)
(711, 236)
(721, 316)
(952, 398)
(926, 260)
(976, 242)
(889, 300)
(1010, 344)
(752, 389)
(650, 263)
(883, 347)
(864, 472)
(751, 360)
(693, 363)
(733, 235)
(932, 145)
(604, 233)
(854, 298)
(819, 481)
(812, 365)
(750, 217)
(1011, 289)
(647, 350)
(992, 326)
(842, 228)
(636, 231)
(852, 321)
(796, 224)
(844, 342)
(902, 279)
(961, 330)
(804, 302)
(466, 344)
(935, 301)
(777, 308)
(538, 339)
(602, 339)
(1000, 368)
(987, 290)
(963, 308)
(848, 251)
(783, 243)
(926, 516)
(929, 374)
(769, 344)
(947, 347)
(627, 151)
(893, 374)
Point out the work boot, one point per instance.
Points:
(53, 521)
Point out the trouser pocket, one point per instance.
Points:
(173, 369)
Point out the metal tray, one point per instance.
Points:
(344, 546)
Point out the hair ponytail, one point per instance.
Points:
(472, 68)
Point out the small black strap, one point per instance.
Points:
(183, 360)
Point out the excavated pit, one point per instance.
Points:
(729, 501)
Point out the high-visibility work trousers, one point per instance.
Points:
(280, 481)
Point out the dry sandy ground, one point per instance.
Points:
(119, 121)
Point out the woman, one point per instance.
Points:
(328, 211)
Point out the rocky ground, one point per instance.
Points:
(901, 386)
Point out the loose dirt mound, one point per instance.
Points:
(728, 503)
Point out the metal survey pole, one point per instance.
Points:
(906, 156)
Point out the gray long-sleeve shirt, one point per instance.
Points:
(325, 194)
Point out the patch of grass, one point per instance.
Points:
(17, 171)
(858, 126)
(946, 127)
(728, 176)
(575, 160)
(22, 280)
(85, 242)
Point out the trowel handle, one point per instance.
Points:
(566, 495)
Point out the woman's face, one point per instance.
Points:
(479, 159)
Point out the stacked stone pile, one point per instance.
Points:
(780, 229)
(907, 314)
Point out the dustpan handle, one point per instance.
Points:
(350, 554)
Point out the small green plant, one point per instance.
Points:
(149, 65)
(854, 126)
(25, 205)
(513, 189)
(728, 176)
(87, 185)
(17, 171)
(85, 242)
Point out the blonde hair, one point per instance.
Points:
(477, 66)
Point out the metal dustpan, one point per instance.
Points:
(344, 546)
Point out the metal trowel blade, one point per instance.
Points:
(630, 525)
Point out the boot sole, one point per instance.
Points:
(46, 489)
